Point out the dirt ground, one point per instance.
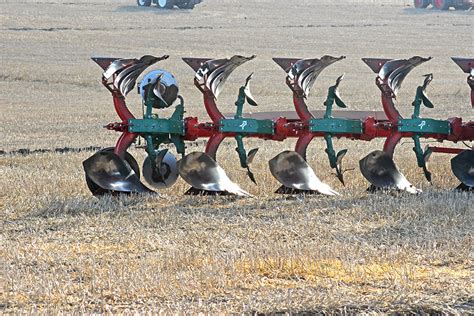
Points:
(64, 250)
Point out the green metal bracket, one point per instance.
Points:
(335, 126)
(150, 148)
(178, 114)
(178, 142)
(177, 139)
(152, 124)
(331, 126)
(156, 126)
(420, 99)
(333, 97)
(240, 103)
(245, 159)
(246, 126)
(421, 126)
(335, 160)
(424, 126)
(158, 131)
(330, 151)
(241, 151)
(242, 126)
(421, 156)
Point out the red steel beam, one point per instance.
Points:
(446, 150)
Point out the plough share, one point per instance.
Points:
(113, 170)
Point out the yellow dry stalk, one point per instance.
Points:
(297, 269)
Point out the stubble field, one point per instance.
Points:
(63, 250)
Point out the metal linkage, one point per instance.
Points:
(115, 171)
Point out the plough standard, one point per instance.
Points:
(114, 170)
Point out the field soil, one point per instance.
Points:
(63, 250)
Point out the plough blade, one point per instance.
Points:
(125, 80)
(118, 64)
(203, 173)
(380, 170)
(395, 71)
(291, 170)
(463, 167)
(163, 173)
(213, 73)
(302, 73)
(128, 70)
(112, 174)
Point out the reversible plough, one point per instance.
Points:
(114, 170)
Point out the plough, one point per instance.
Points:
(113, 170)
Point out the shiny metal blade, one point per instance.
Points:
(291, 170)
(395, 71)
(218, 77)
(214, 73)
(126, 79)
(128, 70)
(248, 95)
(110, 172)
(202, 172)
(389, 66)
(463, 167)
(310, 75)
(117, 65)
(163, 173)
(379, 169)
(304, 72)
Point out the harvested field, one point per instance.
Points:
(62, 250)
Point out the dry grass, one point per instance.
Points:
(65, 251)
